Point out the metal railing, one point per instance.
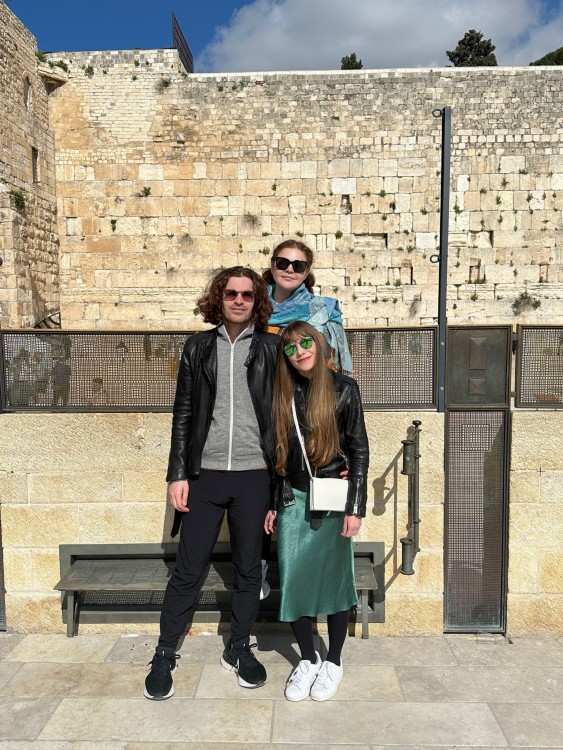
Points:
(411, 455)
(109, 371)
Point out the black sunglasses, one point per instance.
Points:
(230, 295)
(282, 264)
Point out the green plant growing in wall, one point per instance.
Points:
(457, 209)
(504, 182)
(525, 302)
(18, 199)
(299, 234)
(163, 84)
(41, 56)
(275, 187)
(338, 234)
(382, 193)
(89, 71)
(498, 199)
(483, 191)
(113, 223)
(145, 192)
(423, 211)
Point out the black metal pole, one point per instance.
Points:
(442, 258)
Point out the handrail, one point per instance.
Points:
(410, 543)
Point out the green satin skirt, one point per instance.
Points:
(316, 565)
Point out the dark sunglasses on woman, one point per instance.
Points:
(282, 264)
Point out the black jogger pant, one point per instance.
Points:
(245, 496)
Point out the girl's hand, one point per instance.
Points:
(351, 525)
(270, 522)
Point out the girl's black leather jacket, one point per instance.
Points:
(353, 444)
(195, 399)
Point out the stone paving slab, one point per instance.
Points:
(449, 724)
(380, 683)
(92, 680)
(58, 745)
(54, 647)
(7, 671)
(523, 652)
(236, 746)
(136, 720)
(24, 718)
(9, 641)
(502, 684)
(527, 724)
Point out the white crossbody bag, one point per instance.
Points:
(324, 493)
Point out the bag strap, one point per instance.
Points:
(300, 436)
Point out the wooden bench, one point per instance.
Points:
(103, 583)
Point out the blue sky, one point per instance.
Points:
(261, 35)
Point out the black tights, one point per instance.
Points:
(337, 631)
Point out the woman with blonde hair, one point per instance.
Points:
(315, 553)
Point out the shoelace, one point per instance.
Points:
(325, 674)
(299, 674)
(160, 663)
(246, 653)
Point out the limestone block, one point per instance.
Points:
(290, 170)
(551, 487)
(39, 526)
(115, 524)
(512, 164)
(45, 569)
(13, 487)
(151, 172)
(343, 186)
(412, 166)
(426, 240)
(551, 571)
(536, 525)
(535, 615)
(275, 206)
(411, 615)
(17, 569)
(308, 169)
(524, 486)
(34, 612)
(523, 571)
(83, 487)
(339, 168)
(536, 441)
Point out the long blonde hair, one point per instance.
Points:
(320, 409)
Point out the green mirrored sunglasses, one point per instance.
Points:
(290, 349)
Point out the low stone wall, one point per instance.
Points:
(77, 478)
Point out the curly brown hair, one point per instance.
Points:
(307, 252)
(210, 304)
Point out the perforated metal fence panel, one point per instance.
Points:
(476, 512)
(91, 371)
(539, 367)
(395, 368)
(107, 371)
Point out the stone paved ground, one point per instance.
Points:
(455, 691)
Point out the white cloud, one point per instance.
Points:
(315, 34)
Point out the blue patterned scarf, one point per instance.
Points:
(323, 313)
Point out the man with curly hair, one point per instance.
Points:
(221, 459)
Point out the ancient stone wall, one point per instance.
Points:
(29, 283)
(163, 177)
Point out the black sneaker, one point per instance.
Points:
(240, 659)
(158, 685)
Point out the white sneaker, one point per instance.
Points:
(264, 586)
(303, 676)
(327, 682)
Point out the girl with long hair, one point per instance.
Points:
(315, 553)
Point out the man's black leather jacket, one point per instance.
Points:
(195, 399)
(353, 445)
